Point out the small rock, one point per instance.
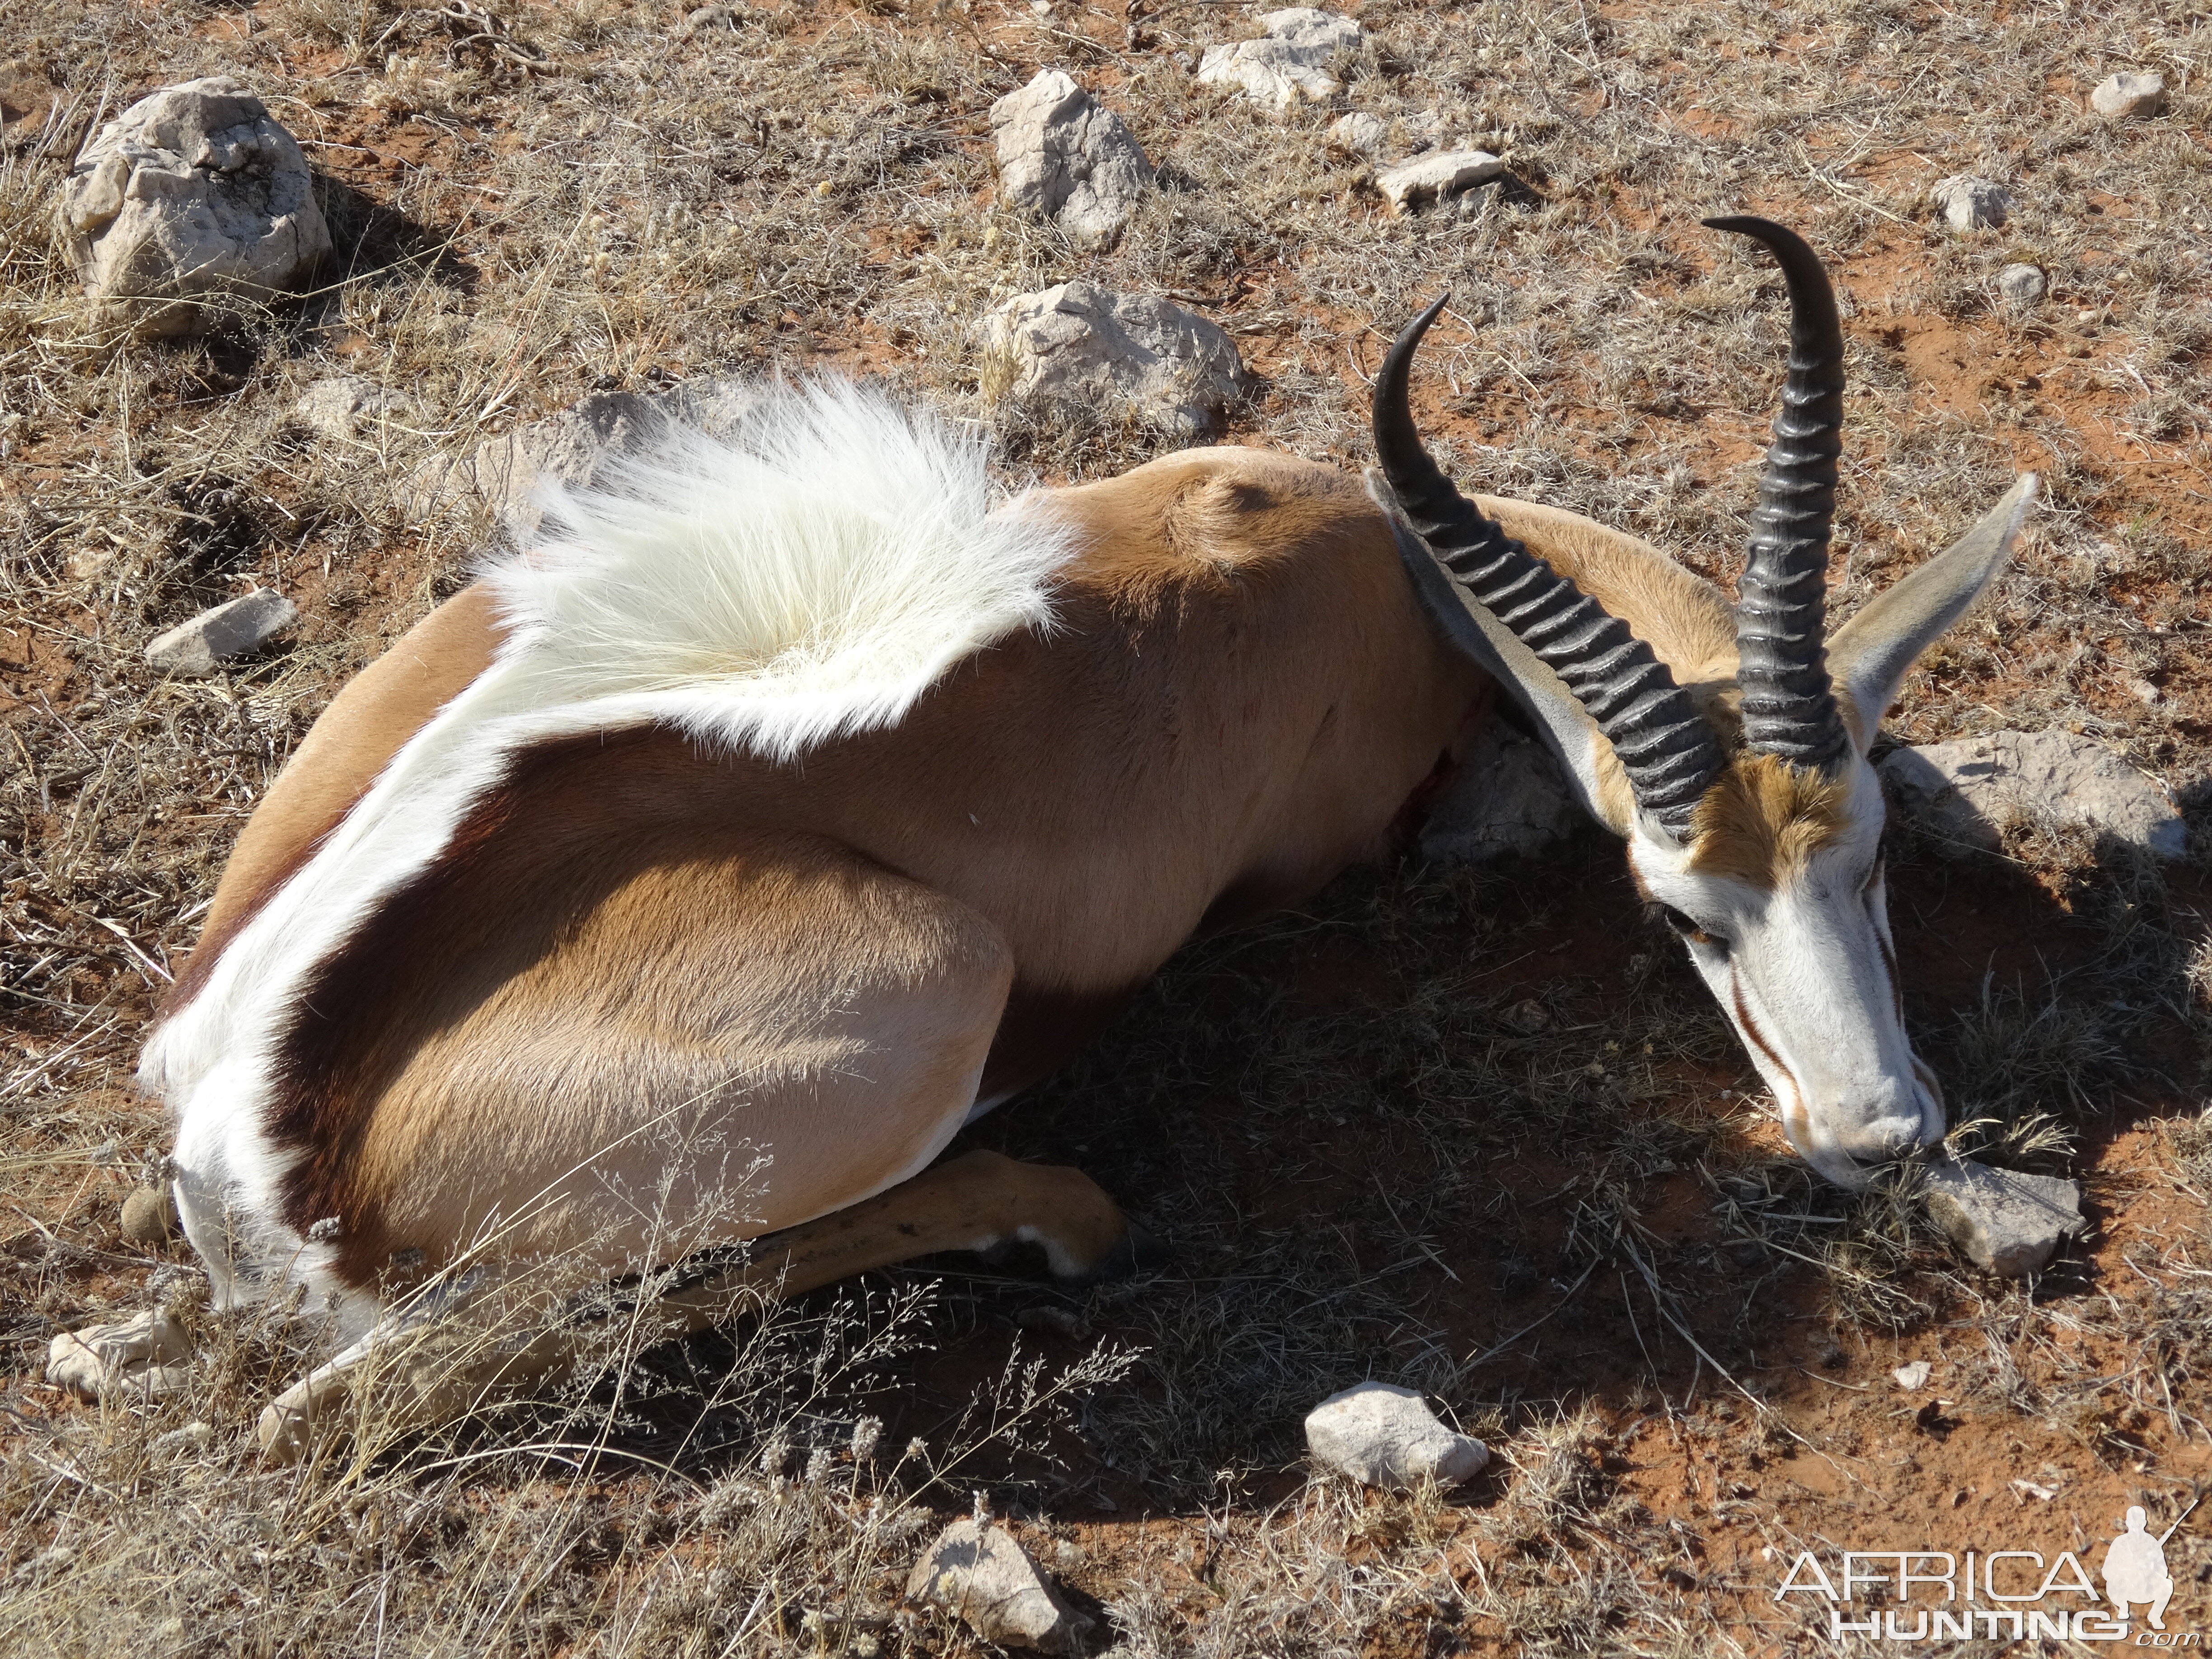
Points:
(142, 1355)
(1358, 134)
(1435, 177)
(2022, 285)
(193, 195)
(1508, 797)
(1078, 350)
(1528, 1017)
(2130, 97)
(339, 407)
(1065, 157)
(1289, 62)
(192, 649)
(2006, 1222)
(1914, 1376)
(194, 1436)
(1384, 1436)
(1965, 791)
(1312, 30)
(707, 18)
(150, 1216)
(976, 1571)
(569, 448)
(1971, 203)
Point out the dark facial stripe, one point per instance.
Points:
(1756, 1038)
(1872, 892)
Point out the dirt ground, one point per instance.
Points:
(1474, 1131)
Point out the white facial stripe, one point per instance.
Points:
(1807, 973)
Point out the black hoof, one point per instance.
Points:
(1138, 1252)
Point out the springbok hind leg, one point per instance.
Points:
(973, 1202)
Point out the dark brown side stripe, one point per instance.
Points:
(339, 1055)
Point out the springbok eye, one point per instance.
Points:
(1689, 929)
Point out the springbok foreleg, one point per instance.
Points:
(973, 1202)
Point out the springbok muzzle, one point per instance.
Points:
(1846, 1140)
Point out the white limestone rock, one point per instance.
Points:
(977, 1571)
(1381, 1435)
(1358, 134)
(1078, 350)
(2022, 285)
(707, 19)
(1309, 28)
(193, 196)
(569, 448)
(1913, 1376)
(1435, 177)
(1065, 157)
(2008, 1222)
(1969, 202)
(1965, 792)
(1509, 796)
(2126, 97)
(345, 407)
(1289, 62)
(143, 1355)
(192, 649)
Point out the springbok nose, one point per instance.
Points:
(1907, 1115)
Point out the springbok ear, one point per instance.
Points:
(1592, 769)
(1869, 656)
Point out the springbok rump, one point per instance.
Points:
(694, 877)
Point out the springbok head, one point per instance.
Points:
(1726, 743)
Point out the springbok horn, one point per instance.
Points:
(1789, 706)
(1669, 753)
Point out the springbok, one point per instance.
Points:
(719, 858)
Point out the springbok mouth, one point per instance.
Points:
(1832, 1163)
(1856, 1173)
(1840, 1167)
(1848, 1148)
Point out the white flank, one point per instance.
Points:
(808, 578)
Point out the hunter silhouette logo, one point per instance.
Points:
(1997, 1594)
(2135, 1567)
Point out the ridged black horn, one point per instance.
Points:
(1669, 753)
(1789, 705)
